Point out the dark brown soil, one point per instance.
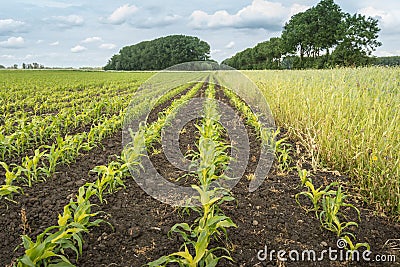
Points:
(268, 217)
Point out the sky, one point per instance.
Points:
(87, 33)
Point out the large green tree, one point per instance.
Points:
(160, 53)
(328, 20)
(359, 38)
(315, 30)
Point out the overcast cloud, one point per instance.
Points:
(87, 33)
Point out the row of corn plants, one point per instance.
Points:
(210, 163)
(10, 122)
(49, 248)
(44, 129)
(65, 150)
(43, 91)
(115, 171)
(328, 204)
(153, 131)
(269, 137)
(347, 120)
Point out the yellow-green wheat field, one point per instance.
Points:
(347, 120)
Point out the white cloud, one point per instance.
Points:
(200, 19)
(13, 42)
(260, 14)
(386, 53)
(92, 40)
(107, 46)
(121, 14)
(39, 41)
(230, 45)
(29, 56)
(10, 25)
(54, 43)
(215, 51)
(7, 56)
(151, 22)
(296, 8)
(78, 49)
(54, 4)
(67, 21)
(389, 20)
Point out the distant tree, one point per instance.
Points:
(2, 67)
(160, 53)
(387, 61)
(23, 66)
(359, 36)
(15, 66)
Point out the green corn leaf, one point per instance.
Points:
(201, 246)
(63, 219)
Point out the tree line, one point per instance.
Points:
(321, 37)
(387, 61)
(160, 53)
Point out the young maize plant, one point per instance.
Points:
(110, 179)
(6, 146)
(211, 223)
(54, 157)
(50, 246)
(7, 190)
(315, 195)
(130, 156)
(331, 215)
(351, 247)
(30, 167)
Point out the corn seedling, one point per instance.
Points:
(7, 190)
(331, 215)
(110, 178)
(30, 167)
(284, 158)
(211, 223)
(54, 156)
(354, 247)
(315, 195)
(50, 246)
(130, 156)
